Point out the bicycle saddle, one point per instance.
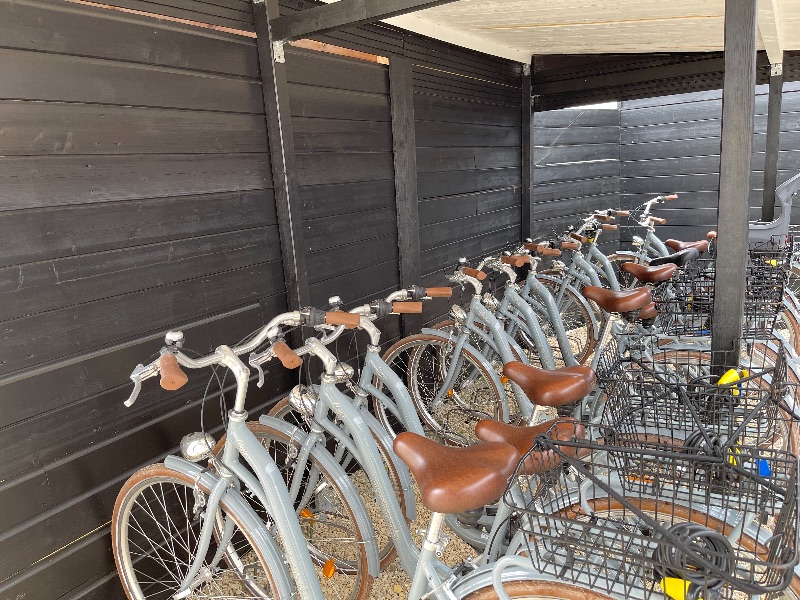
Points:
(647, 274)
(618, 302)
(648, 312)
(523, 438)
(454, 480)
(551, 388)
(677, 245)
(679, 258)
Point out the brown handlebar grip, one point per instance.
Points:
(439, 292)
(605, 218)
(569, 246)
(286, 355)
(623, 213)
(531, 247)
(407, 308)
(610, 226)
(470, 272)
(172, 376)
(516, 261)
(550, 251)
(671, 197)
(712, 235)
(579, 238)
(658, 220)
(337, 317)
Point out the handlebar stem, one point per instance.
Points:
(318, 349)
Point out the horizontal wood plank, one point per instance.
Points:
(29, 76)
(64, 28)
(42, 128)
(430, 185)
(50, 233)
(430, 160)
(35, 182)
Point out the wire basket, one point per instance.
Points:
(683, 404)
(693, 528)
(686, 305)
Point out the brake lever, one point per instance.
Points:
(258, 368)
(139, 373)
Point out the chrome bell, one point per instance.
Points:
(197, 446)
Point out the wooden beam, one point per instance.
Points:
(344, 13)
(405, 178)
(773, 140)
(738, 108)
(281, 151)
(769, 28)
(527, 151)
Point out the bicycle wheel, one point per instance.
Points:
(626, 280)
(539, 590)
(423, 361)
(578, 323)
(386, 550)
(155, 531)
(327, 520)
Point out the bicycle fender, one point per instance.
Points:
(485, 363)
(250, 520)
(344, 482)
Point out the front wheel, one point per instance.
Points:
(155, 531)
(335, 540)
(424, 361)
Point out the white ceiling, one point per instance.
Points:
(518, 29)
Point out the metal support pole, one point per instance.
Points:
(404, 145)
(281, 151)
(738, 107)
(527, 152)
(773, 141)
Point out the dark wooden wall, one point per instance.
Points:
(136, 196)
(672, 144)
(576, 168)
(468, 165)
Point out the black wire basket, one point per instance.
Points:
(695, 527)
(686, 305)
(682, 403)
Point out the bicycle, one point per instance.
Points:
(216, 524)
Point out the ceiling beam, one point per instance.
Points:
(769, 28)
(344, 13)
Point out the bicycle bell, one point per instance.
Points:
(303, 399)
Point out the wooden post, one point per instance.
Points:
(281, 151)
(738, 107)
(405, 178)
(773, 141)
(527, 152)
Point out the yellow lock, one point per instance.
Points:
(675, 588)
(732, 376)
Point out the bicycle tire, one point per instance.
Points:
(578, 323)
(164, 554)
(386, 550)
(464, 406)
(539, 590)
(349, 559)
